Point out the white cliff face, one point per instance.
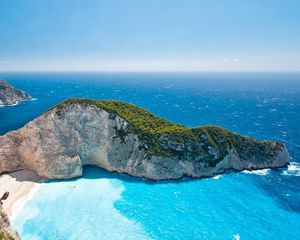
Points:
(59, 143)
(58, 146)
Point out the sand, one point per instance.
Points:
(19, 185)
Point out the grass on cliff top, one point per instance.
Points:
(150, 127)
(138, 117)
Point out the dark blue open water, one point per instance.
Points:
(100, 205)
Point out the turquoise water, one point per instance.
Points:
(101, 205)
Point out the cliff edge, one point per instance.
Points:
(6, 232)
(125, 138)
(10, 95)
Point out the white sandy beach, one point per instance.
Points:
(19, 184)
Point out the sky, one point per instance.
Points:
(149, 35)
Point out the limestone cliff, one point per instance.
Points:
(124, 138)
(10, 96)
(6, 232)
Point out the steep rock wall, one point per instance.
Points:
(59, 143)
(10, 95)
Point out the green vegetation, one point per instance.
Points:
(150, 128)
(139, 118)
(4, 236)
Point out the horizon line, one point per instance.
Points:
(150, 71)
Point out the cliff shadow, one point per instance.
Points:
(94, 172)
(24, 175)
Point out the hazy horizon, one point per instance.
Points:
(158, 71)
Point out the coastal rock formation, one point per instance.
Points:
(6, 232)
(10, 95)
(124, 138)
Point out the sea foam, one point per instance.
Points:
(293, 170)
(262, 172)
(236, 237)
(217, 177)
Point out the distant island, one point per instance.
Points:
(10, 96)
(121, 137)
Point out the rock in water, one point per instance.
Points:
(125, 138)
(10, 96)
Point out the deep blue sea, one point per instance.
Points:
(101, 205)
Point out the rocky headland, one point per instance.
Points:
(10, 95)
(121, 137)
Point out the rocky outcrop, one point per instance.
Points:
(10, 95)
(6, 232)
(124, 138)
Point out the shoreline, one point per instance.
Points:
(21, 186)
(18, 102)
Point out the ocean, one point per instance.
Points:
(262, 204)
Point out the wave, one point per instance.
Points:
(262, 172)
(18, 102)
(11, 105)
(236, 237)
(217, 177)
(293, 170)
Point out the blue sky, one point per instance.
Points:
(150, 35)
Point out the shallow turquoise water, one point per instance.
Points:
(102, 205)
(108, 206)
